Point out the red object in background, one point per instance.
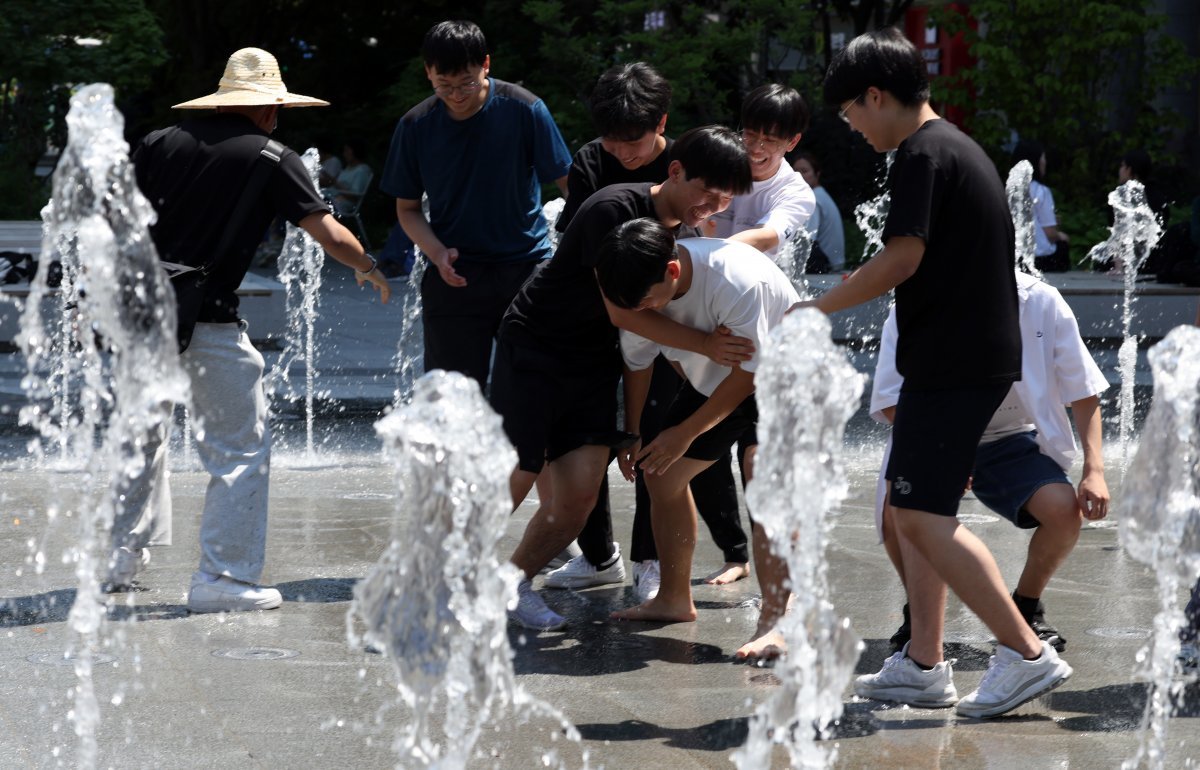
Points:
(944, 55)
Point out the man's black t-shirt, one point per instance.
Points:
(193, 175)
(560, 310)
(957, 316)
(594, 168)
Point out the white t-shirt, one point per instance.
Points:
(733, 285)
(1010, 419)
(784, 203)
(1043, 217)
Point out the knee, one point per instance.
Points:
(664, 488)
(1056, 508)
(573, 508)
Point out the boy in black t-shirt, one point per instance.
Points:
(629, 110)
(949, 254)
(557, 361)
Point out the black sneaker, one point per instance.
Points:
(903, 633)
(1046, 632)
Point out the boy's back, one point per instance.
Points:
(733, 285)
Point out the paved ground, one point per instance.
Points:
(283, 689)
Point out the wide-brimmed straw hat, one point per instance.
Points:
(251, 79)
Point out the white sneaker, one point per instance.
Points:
(579, 573)
(123, 566)
(646, 580)
(902, 681)
(1011, 680)
(224, 594)
(532, 613)
(568, 553)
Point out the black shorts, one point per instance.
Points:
(550, 409)
(934, 439)
(738, 427)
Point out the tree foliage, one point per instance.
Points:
(46, 48)
(1038, 80)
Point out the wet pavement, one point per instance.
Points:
(284, 689)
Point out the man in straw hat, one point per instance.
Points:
(206, 179)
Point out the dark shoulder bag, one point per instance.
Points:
(190, 286)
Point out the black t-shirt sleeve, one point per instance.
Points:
(916, 193)
(292, 192)
(581, 183)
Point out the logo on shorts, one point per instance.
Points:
(901, 487)
(1039, 333)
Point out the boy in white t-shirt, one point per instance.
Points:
(773, 118)
(695, 281)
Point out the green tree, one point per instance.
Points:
(1039, 79)
(47, 48)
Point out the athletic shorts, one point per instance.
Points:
(550, 409)
(1009, 471)
(738, 427)
(934, 439)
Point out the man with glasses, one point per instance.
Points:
(773, 118)
(949, 252)
(479, 148)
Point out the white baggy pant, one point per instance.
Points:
(233, 434)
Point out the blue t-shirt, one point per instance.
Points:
(482, 174)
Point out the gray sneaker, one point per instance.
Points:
(123, 566)
(902, 681)
(531, 611)
(1011, 680)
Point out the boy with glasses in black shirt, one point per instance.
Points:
(949, 254)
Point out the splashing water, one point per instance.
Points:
(1020, 207)
(300, 263)
(806, 391)
(410, 349)
(116, 330)
(435, 602)
(1162, 524)
(792, 258)
(551, 211)
(1134, 233)
(871, 216)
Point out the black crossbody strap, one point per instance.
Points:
(268, 159)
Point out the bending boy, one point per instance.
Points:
(699, 282)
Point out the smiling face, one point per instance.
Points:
(766, 152)
(692, 200)
(635, 153)
(464, 92)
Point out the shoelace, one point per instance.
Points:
(995, 670)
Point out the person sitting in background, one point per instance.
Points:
(352, 181)
(825, 225)
(1051, 253)
(331, 166)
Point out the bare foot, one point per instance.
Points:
(659, 609)
(767, 645)
(732, 572)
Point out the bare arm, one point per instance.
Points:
(721, 348)
(1054, 235)
(1093, 490)
(562, 186)
(670, 445)
(636, 385)
(885, 271)
(417, 228)
(345, 248)
(762, 238)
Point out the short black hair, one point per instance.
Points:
(717, 155)
(812, 159)
(1139, 163)
(632, 258)
(776, 110)
(883, 58)
(452, 47)
(629, 100)
(1028, 149)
